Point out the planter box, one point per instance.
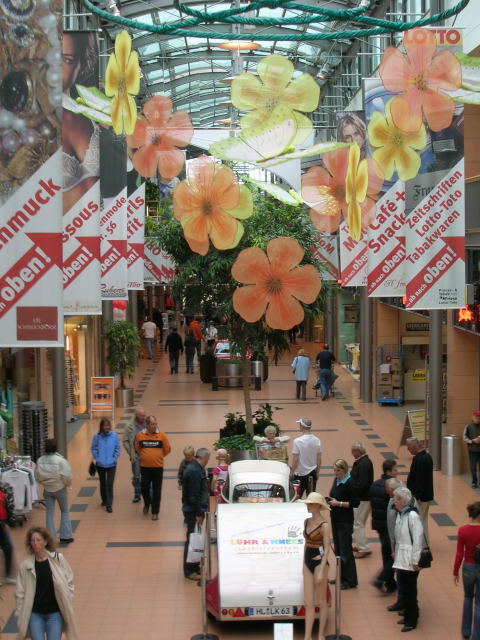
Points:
(229, 369)
(241, 454)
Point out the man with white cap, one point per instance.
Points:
(306, 457)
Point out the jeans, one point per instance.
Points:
(189, 567)
(189, 361)
(407, 585)
(325, 381)
(7, 548)
(106, 476)
(471, 589)
(149, 345)
(474, 457)
(61, 497)
(152, 478)
(301, 389)
(136, 478)
(173, 358)
(342, 540)
(307, 483)
(50, 624)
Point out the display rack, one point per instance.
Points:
(389, 388)
(34, 429)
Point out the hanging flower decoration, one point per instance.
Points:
(395, 148)
(209, 205)
(261, 96)
(356, 184)
(325, 189)
(157, 136)
(419, 78)
(122, 81)
(274, 283)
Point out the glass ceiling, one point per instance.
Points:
(194, 72)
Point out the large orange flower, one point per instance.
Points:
(325, 189)
(209, 204)
(157, 136)
(419, 78)
(275, 284)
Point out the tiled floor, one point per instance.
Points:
(128, 569)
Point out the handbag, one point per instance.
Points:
(426, 558)
(196, 543)
(92, 469)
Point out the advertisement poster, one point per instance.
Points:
(135, 229)
(353, 259)
(385, 234)
(113, 217)
(159, 266)
(81, 174)
(31, 291)
(326, 250)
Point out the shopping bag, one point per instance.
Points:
(196, 543)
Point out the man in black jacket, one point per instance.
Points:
(420, 479)
(379, 500)
(195, 498)
(362, 478)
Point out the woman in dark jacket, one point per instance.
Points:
(343, 499)
(190, 349)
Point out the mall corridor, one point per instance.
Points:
(128, 569)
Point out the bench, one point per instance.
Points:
(257, 381)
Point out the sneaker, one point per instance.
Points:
(65, 541)
(474, 485)
(378, 584)
(193, 576)
(396, 606)
(154, 516)
(109, 510)
(136, 499)
(362, 554)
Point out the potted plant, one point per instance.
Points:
(234, 424)
(230, 367)
(123, 344)
(263, 417)
(239, 447)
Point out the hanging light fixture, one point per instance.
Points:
(238, 45)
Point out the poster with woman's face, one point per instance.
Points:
(81, 178)
(30, 89)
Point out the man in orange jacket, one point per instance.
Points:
(152, 446)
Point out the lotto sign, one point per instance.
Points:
(326, 250)
(353, 259)
(386, 245)
(31, 311)
(435, 260)
(135, 235)
(159, 266)
(81, 189)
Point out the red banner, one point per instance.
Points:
(159, 266)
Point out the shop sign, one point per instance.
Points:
(102, 394)
(159, 266)
(135, 233)
(415, 426)
(81, 187)
(417, 326)
(353, 259)
(419, 375)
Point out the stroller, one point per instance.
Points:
(316, 386)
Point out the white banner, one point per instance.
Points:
(31, 291)
(159, 266)
(136, 237)
(113, 226)
(326, 250)
(435, 245)
(386, 245)
(353, 259)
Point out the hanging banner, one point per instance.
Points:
(113, 218)
(353, 259)
(435, 199)
(385, 234)
(326, 250)
(81, 179)
(159, 266)
(31, 292)
(135, 229)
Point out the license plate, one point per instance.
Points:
(270, 611)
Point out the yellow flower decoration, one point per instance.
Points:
(261, 96)
(122, 81)
(395, 148)
(356, 185)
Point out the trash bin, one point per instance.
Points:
(451, 455)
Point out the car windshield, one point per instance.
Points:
(258, 492)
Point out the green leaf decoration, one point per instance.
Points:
(94, 98)
(464, 96)
(89, 112)
(277, 192)
(315, 150)
(470, 72)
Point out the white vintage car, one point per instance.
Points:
(259, 546)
